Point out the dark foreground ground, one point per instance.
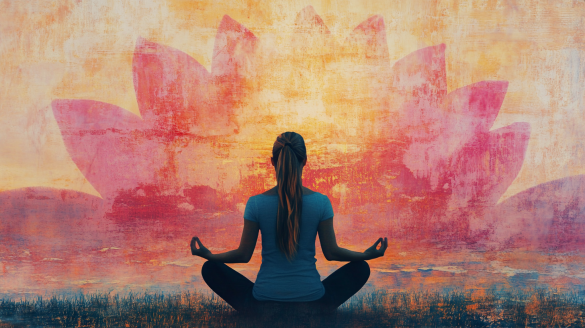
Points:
(535, 308)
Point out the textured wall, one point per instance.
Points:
(453, 128)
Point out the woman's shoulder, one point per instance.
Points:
(307, 191)
(274, 192)
(269, 192)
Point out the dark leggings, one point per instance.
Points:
(236, 289)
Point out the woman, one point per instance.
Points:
(289, 216)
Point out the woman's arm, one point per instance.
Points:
(242, 254)
(333, 252)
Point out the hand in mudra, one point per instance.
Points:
(374, 251)
(201, 251)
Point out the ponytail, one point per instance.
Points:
(290, 151)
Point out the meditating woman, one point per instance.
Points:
(289, 217)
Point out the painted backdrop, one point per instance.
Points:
(455, 128)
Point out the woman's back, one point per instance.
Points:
(279, 279)
(289, 216)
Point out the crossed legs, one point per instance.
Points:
(236, 289)
(229, 284)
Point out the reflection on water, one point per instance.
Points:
(61, 241)
(116, 269)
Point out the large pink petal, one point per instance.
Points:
(233, 65)
(418, 87)
(443, 131)
(368, 41)
(467, 187)
(421, 78)
(174, 92)
(549, 217)
(468, 112)
(474, 108)
(486, 167)
(233, 52)
(311, 45)
(80, 116)
(108, 144)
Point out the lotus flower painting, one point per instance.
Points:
(454, 128)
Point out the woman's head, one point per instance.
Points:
(289, 155)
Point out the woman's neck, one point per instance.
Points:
(274, 191)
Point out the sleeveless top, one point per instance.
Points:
(279, 279)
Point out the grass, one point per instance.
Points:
(516, 308)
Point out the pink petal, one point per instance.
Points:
(311, 37)
(475, 107)
(82, 116)
(233, 52)
(486, 167)
(306, 57)
(418, 87)
(173, 91)
(233, 64)
(107, 143)
(308, 20)
(365, 68)
(368, 40)
(421, 77)
(438, 133)
(549, 217)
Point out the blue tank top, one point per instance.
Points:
(279, 279)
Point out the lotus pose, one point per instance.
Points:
(289, 216)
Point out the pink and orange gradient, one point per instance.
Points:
(427, 159)
(397, 154)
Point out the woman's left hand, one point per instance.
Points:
(374, 252)
(201, 251)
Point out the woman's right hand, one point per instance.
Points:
(201, 251)
(373, 252)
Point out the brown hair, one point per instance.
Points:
(289, 150)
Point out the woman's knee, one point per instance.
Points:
(208, 268)
(362, 269)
